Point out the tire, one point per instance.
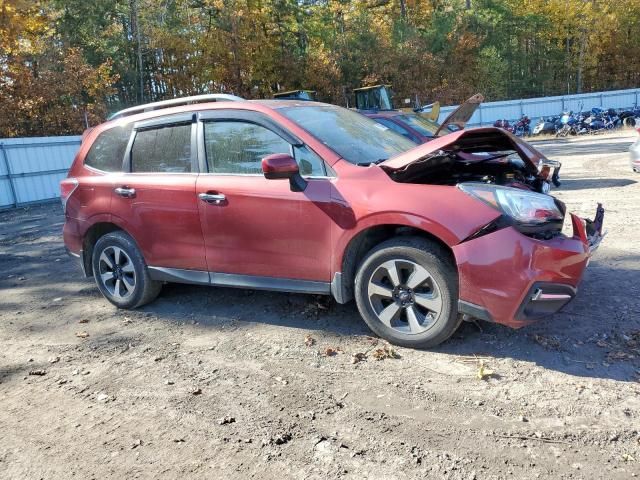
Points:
(629, 122)
(403, 312)
(121, 273)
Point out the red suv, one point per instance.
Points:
(313, 198)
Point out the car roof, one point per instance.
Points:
(262, 105)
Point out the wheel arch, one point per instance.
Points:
(366, 239)
(92, 235)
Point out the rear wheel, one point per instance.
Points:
(407, 292)
(121, 273)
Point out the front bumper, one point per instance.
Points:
(510, 278)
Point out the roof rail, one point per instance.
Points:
(176, 102)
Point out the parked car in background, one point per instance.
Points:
(307, 197)
(421, 127)
(634, 151)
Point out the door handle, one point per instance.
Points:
(125, 192)
(212, 198)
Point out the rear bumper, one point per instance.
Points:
(512, 279)
(634, 152)
(73, 243)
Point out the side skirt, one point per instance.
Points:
(198, 277)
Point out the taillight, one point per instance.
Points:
(67, 187)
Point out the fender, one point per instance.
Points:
(344, 237)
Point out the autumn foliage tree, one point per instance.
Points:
(64, 62)
(46, 88)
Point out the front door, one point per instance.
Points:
(258, 227)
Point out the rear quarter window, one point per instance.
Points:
(107, 152)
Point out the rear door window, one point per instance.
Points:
(107, 152)
(165, 149)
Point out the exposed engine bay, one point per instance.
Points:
(503, 168)
(485, 155)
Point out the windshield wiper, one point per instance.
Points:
(375, 162)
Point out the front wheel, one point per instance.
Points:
(121, 273)
(406, 290)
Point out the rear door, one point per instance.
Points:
(259, 227)
(154, 197)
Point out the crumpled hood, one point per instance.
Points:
(475, 140)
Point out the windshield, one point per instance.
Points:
(353, 136)
(421, 125)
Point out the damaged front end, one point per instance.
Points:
(521, 266)
(591, 233)
(514, 278)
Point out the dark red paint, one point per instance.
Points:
(264, 228)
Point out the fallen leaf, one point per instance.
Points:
(330, 352)
(84, 320)
(358, 357)
(483, 371)
(385, 352)
(37, 372)
(82, 334)
(550, 343)
(196, 391)
(309, 340)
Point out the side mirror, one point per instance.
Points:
(279, 165)
(283, 165)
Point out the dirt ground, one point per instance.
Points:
(219, 383)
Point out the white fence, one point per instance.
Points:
(489, 112)
(31, 168)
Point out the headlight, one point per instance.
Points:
(527, 209)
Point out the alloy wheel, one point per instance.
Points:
(116, 272)
(404, 296)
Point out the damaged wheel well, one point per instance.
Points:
(367, 239)
(91, 237)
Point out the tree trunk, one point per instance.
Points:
(583, 41)
(135, 30)
(403, 9)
